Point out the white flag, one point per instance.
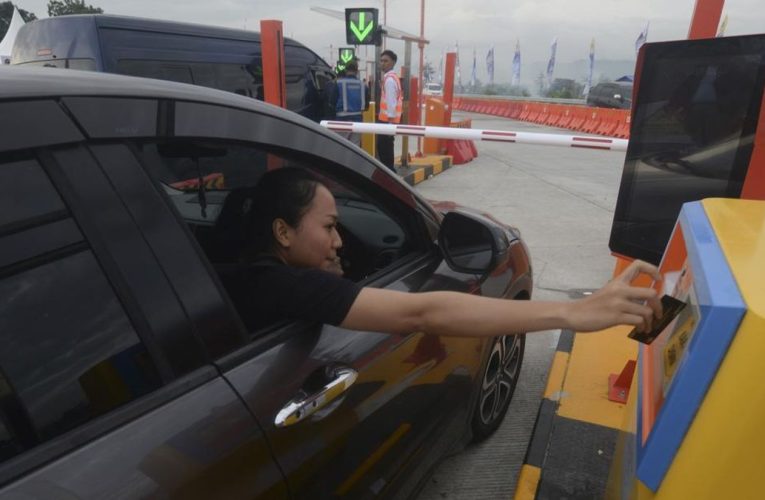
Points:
(517, 64)
(490, 65)
(723, 25)
(588, 86)
(642, 38)
(472, 72)
(457, 64)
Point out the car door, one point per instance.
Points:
(403, 390)
(411, 394)
(105, 388)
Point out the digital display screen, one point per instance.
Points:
(692, 134)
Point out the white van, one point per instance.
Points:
(433, 88)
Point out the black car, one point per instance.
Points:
(125, 370)
(611, 95)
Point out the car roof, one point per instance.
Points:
(19, 82)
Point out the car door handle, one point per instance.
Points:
(303, 407)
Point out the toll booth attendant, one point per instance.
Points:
(349, 98)
(391, 105)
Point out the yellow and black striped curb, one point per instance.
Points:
(420, 169)
(567, 457)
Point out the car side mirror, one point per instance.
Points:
(468, 244)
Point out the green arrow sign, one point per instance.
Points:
(361, 30)
(361, 26)
(346, 55)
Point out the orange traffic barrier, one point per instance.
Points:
(592, 121)
(461, 151)
(602, 121)
(580, 115)
(525, 112)
(607, 122)
(566, 117)
(623, 125)
(554, 116)
(534, 110)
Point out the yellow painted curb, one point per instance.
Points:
(419, 176)
(528, 480)
(556, 376)
(593, 358)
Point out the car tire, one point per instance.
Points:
(498, 382)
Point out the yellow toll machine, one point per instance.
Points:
(697, 406)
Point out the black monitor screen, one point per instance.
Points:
(693, 125)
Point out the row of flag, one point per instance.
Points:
(516, 76)
(516, 68)
(489, 66)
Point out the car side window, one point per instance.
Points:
(70, 353)
(202, 180)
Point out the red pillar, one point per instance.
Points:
(754, 183)
(272, 48)
(414, 100)
(706, 19)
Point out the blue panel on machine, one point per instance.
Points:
(720, 310)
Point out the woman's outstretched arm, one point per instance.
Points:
(459, 314)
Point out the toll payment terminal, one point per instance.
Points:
(693, 425)
(698, 405)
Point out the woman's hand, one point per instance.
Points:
(618, 303)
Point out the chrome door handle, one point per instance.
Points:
(303, 407)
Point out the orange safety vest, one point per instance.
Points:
(383, 116)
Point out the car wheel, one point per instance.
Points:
(498, 384)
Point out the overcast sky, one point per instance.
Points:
(475, 24)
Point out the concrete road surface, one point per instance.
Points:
(562, 199)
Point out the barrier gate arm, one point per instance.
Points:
(573, 141)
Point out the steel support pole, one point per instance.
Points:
(451, 62)
(405, 72)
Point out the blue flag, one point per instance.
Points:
(551, 62)
(517, 64)
(490, 65)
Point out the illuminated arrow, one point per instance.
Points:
(346, 56)
(360, 31)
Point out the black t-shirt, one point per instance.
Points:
(267, 291)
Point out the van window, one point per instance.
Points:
(160, 70)
(238, 78)
(69, 351)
